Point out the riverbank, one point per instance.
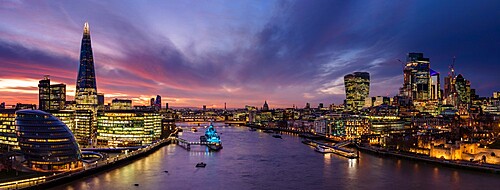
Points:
(448, 163)
(45, 182)
(489, 168)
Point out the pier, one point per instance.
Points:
(337, 148)
(187, 144)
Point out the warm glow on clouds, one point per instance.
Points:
(241, 52)
(19, 85)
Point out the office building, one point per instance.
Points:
(46, 143)
(86, 87)
(8, 138)
(51, 96)
(121, 104)
(417, 77)
(86, 98)
(357, 88)
(463, 89)
(128, 127)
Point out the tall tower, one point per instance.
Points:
(417, 77)
(86, 96)
(86, 88)
(357, 88)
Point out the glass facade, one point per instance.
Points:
(8, 138)
(417, 77)
(128, 127)
(86, 88)
(357, 88)
(46, 143)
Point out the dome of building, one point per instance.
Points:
(46, 143)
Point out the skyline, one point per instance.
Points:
(241, 57)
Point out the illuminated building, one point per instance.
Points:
(51, 97)
(421, 84)
(357, 88)
(385, 124)
(463, 95)
(463, 89)
(8, 138)
(128, 127)
(167, 127)
(377, 101)
(46, 143)
(496, 95)
(86, 97)
(435, 93)
(417, 77)
(86, 88)
(68, 117)
(85, 126)
(355, 127)
(119, 104)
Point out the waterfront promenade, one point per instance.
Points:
(490, 168)
(44, 182)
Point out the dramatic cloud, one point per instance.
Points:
(207, 53)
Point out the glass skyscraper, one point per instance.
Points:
(357, 88)
(86, 88)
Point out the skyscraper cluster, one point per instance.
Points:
(421, 83)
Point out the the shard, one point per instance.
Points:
(86, 88)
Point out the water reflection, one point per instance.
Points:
(256, 160)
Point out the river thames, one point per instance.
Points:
(256, 160)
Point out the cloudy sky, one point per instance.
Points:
(243, 52)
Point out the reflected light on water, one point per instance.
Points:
(353, 163)
(327, 158)
(435, 174)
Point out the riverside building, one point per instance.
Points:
(128, 127)
(46, 143)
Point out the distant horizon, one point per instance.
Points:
(243, 53)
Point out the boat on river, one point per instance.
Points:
(268, 131)
(213, 138)
(201, 165)
(323, 149)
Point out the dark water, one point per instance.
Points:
(255, 160)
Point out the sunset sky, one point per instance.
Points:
(196, 53)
